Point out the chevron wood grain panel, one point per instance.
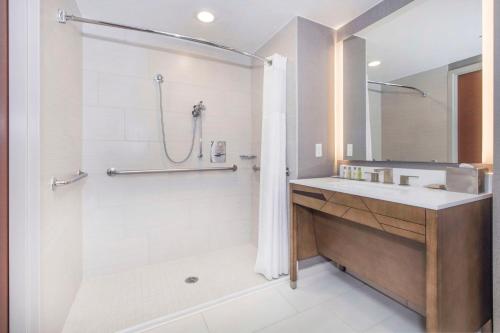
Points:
(399, 211)
(348, 200)
(362, 217)
(334, 209)
(397, 223)
(404, 233)
(307, 201)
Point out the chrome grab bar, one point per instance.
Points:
(248, 157)
(114, 172)
(58, 182)
(257, 168)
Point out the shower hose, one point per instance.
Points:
(159, 79)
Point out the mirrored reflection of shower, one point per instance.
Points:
(197, 118)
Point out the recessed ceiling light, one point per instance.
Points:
(374, 63)
(205, 17)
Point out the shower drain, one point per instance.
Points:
(191, 279)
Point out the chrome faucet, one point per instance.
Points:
(374, 176)
(404, 180)
(388, 175)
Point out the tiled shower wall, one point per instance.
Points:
(130, 221)
(60, 156)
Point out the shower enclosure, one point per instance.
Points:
(149, 233)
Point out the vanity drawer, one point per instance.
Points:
(401, 228)
(395, 210)
(313, 202)
(310, 197)
(384, 208)
(348, 200)
(397, 219)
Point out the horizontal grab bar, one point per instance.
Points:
(257, 168)
(248, 157)
(58, 182)
(114, 172)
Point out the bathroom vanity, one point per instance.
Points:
(428, 249)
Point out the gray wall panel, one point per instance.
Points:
(355, 97)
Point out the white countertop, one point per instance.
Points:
(407, 195)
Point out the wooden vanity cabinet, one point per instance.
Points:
(436, 262)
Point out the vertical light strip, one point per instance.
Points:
(488, 77)
(339, 102)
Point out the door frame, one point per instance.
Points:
(453, 83)
(4, 167)
(24, 165)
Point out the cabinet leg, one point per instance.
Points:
(431, 308)
(293, 248)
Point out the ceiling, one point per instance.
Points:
(244, 24)
(423, 35)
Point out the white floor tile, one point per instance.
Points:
(117, 301)
(249, 313)
(404, 320)
(318, 288)
(362, 308)
(316, 320)
(192, 324)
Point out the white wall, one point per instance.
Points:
(60, 151)
(416, 128)
(137, 220)
(375, 111)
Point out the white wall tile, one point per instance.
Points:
(114, 57)
(162, 217)
(60, 156)
(142, 125)
(126, 91)
(90, 88)
(103, 124)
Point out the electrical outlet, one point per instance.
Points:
(349, 149)
(319, 150)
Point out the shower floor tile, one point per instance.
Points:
(118, 301)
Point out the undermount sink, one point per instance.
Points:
(364, 185)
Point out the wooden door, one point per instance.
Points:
(4, 164)
(470, 117)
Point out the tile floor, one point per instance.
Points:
(326, 301)
(115, 302)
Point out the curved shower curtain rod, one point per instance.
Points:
(63, 17)
(423, 93)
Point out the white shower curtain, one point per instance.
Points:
(272, 252)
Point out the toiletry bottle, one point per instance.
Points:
(348, 173)
(359, 174)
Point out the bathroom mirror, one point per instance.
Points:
(416, 94)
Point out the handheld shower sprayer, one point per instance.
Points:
(197, 109)
(197, 114)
